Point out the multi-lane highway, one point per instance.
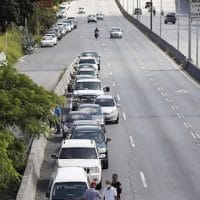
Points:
(155, 147)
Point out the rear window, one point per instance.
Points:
(105, 102)
(78, 153)
(65, 190)
(92, 61)
(74, 117)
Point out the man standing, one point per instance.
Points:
(116, 184)
(92, 193)
(109, 193)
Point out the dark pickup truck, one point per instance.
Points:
(170, 17)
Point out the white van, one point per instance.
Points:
(68, 182)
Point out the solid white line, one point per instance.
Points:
(131, 140)
(143, 179)
(118, 97)
(124, 115)
(193, 135)
(186, 125)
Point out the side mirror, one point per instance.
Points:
(47, 194)
(54, 156)
(108, 140)
(106, 89)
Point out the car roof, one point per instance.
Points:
(84, 76)
(105, 97)
(78, 143)
(86, 69)
(87, 57)
(86, 105)
(77, 112)
(92, 127)
(70, 174)
(85, 122)
(89, 80)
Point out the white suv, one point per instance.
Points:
(68, 182)
(81, 153)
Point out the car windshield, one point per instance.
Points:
(86, 66)
(89, 54)
(105, 102)
(81, 116)
(47, 38)
(88, 86)
(65, 190)
(92, 61)
(116, 29)
(86, 72)
(93, 135)
(78, 153)
(92, 110)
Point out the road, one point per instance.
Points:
(155, 147)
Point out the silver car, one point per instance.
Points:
(116, 33)
(109, 107)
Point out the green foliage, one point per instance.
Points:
(26, 105)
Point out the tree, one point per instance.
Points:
(26, 105)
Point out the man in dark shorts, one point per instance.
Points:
(115, 183)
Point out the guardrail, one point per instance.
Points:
(176, 55)
(28, 187)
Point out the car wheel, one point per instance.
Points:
(117, 120)
(173, 22)
(105, 164)
(165, 22)
(99, 186)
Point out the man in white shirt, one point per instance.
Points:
(109, 193)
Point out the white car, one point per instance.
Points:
(92, 18)
(99, 16)
(68, 182)
(109, 107)
(87, 71)
(81, 10)
(81, 153)
(53, 36)
(116, 33)
(61, 13)
(88, 60)
(47, 41)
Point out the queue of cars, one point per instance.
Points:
(65, 24)
(83, 152)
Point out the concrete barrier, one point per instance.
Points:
(2, 58)
(177, 56)
(28, 187)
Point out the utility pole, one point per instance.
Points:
(151, 17)
(161, 13)
(189, 33)
(133, 8)
(178, 24)
(197, 44)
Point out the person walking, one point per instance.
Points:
(116, 184)
(92, 193)
(58, 113)
(109, 192)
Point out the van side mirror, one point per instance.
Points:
(106, 89)
(47, 194)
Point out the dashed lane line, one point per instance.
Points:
(131, 141)
(118, 97)
(143, 179)
(124, 115)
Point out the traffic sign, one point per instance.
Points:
(195, 8)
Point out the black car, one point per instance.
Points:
(170, 17)
(95, 133)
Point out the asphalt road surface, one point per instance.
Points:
(156, 145)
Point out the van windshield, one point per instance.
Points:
(71, 190)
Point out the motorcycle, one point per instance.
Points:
(96, 34)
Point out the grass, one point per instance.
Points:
(14, 47)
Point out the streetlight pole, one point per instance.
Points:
(178, 24)
(127, 5)
(189, 34)
(161, 11)
(133, 8)
(197, 44)
(151, 17)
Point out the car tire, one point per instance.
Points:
(105, 164)
(173, 22)
(99, 186)
(165, 22)
(117, 120)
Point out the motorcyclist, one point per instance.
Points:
(96, 32)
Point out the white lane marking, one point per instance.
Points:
(182, 115)
(163, 94)
(167, 100)
(155, 83)
(193, 135)
(124, 115)
(158, 88)
(113, 83)
(173, 107)
(151, 79)
(183, 91)
(149, 75)
(198, 136)
(131, 140)
(108, 64)
(166, 94)
(118, 97)
(143, 179)
(176, 107)
(141, 63)
(111, 73)
(186, 125)
(22, 59)
(189, 125)
(161, 89)
(179, 116)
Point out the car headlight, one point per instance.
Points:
(94, 170)
(101, 150)
(102, 155)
